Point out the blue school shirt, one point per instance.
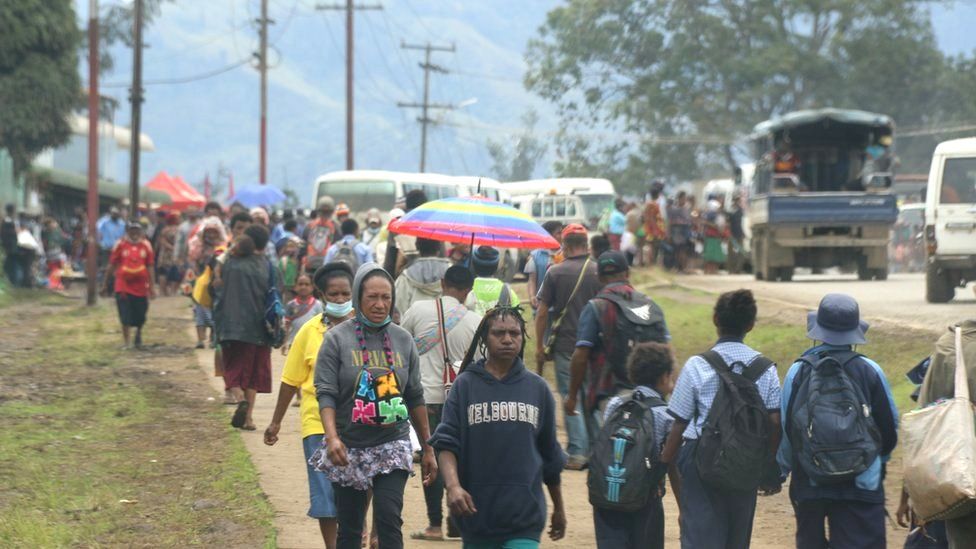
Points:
(867, 486)
(698, 384)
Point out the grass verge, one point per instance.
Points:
(106, 447)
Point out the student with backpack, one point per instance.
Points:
(837, 457)
(726, 413)
(624, 485)
(612, 323)
(349, 249)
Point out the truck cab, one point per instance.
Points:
(820, 196)
(950, 220)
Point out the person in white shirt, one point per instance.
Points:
(423, 321)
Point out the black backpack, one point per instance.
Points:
(733, 450)
(346, 253)
(829, 419)
(638, 320)
(619, 474)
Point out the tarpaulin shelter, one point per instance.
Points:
(183, 195)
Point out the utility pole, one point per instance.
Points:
(135, 97)
(91, 250)
(426, 106)
(262, 56)
(349, 8)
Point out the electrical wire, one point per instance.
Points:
(182, 79)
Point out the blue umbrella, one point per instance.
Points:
(258, 195)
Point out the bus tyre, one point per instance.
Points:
(937, 286)
(881, 274)
(863, 272)
(785, 274)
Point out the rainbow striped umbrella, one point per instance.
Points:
(474, 220)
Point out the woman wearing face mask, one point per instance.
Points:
(367, 380)
(333, 283)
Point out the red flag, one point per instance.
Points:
(206, 186)
(230, 186)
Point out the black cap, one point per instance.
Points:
(611, 263)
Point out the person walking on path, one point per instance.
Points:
(617, 224)
(497, 443)
(319, 235)
(349, 248)
(852, 506)
(333, 281)
(615, 320)
(568, 287)
(539, 262)
(712, 516)
(940, 383)
(130, 266)
(650, 367)
(111, 228)
(8, 239)
(301, 309)
(239, 306)
(401, 249)
(488, 291)
(168, 268)
(205, 246)
(430, 322)
(422, 279)
(367, 381)
(654, 225)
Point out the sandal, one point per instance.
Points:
(240, 415)
(425, 536)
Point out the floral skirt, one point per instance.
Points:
(365, 463)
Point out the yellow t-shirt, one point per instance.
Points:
(300, 372)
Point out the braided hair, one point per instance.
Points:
(480, 340)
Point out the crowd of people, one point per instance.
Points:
(677, 233)
(401, 349)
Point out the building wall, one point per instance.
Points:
(11, 190)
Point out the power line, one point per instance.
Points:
(183, 79)
(426, 105)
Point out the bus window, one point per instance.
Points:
(547, 208)
(571, 208)
(360, 196)
(536, 208)
(448, 192)
(560, 207)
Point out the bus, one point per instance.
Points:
(596, 196)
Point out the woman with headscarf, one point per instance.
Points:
(167, 266)
(367, 380)
(260, 216)
(205, 246)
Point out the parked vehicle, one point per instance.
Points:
(907, 249)
(819, 197)
(595, 196)
(950, 220)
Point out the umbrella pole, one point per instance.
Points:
(471, 246)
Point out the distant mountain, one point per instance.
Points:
(201, 125)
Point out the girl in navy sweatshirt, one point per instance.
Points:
(497, 443)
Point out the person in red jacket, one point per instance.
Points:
(130, 265)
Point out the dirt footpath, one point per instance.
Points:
(283, 478)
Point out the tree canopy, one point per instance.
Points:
(517, 162)
(675, 84)
(39, 82)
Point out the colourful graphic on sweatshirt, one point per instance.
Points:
(378, 399)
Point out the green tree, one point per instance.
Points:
(678, 83)
(517, 162)
(39, 82)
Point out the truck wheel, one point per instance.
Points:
(758, 260)
(863, 272)
(937, 286)
(785, 274)
(881, 274)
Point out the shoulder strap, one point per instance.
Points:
(715, 360)
(442, 329)
(579, 280)
(757, 368)
(649, 401)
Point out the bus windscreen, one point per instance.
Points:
(360, 196)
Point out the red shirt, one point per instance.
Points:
(133, 261)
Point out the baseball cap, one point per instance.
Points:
(611, 263)
(342, 209)
(574, 228)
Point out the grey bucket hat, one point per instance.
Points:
(837, 321)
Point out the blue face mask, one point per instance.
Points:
(372, 324)
(338, 310)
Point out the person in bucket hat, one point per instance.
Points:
(852, 506)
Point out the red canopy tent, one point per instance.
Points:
(183, 195)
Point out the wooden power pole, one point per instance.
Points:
(262, 56)
(426, 105)
(91, 249)
(135, 97)
(349, 8)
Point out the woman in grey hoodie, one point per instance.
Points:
(367, 380)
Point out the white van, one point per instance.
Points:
(595, 196)
(950, 219)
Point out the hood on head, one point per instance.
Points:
(426, 273)
(357, 285)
